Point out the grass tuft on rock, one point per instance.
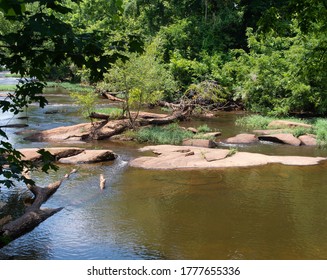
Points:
(112, 112)
(171, 134)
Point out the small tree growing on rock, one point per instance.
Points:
(142, 80)
(86, 101)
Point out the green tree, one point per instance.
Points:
(281, 74)
(142, 79)
(42, 37)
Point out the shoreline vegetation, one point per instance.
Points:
(174, 134)
(316, 126)
(71, 87)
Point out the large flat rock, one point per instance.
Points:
(287, 124)
(32, 154)
(80, 132)
(63, 133)
(70, 155)
(90, 156)
(190, 157)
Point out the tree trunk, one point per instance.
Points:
(177, 115)
(33, 216)
(113, 98)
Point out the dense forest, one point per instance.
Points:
(268, 56)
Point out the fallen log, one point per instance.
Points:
(113, 98)
(16, 125)
(177, 115)
(172, 106)
(33, 215)
(140, 115)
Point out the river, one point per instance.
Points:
(267, 212)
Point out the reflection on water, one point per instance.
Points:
(268, 212)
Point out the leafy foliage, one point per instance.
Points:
(37, 36)
(86, 101)
(170, 134)
(141, 79)
(321, 131)
(280, 74)
(112, 112)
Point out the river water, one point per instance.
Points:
(267, 212)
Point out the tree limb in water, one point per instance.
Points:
(33, 215)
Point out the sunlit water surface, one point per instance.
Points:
(267, 212)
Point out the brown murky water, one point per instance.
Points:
(268, 212)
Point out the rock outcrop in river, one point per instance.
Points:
(70, 155)
(182, 157)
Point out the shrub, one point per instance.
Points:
(280, 74)
(86, 101)
(112, 112)
(204, 128)
(321, 131)
(170, 134)
(254, 122)
(298, 131)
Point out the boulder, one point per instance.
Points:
(90, 156)
(308, 140)
(282, 138)
(63, 133)
(243, 138)
(80, 132)
(287, 124)
(199, 143)
(216, 155)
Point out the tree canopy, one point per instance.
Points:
(37, 34)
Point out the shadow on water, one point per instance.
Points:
(267, 212)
